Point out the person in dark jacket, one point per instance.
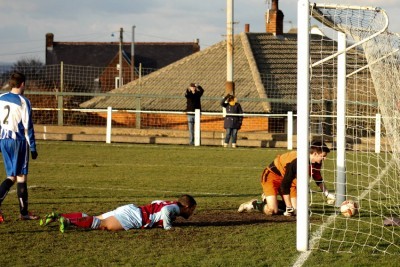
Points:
(232, 121)
(193, 95)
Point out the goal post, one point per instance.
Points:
(341, 121)
(348, 96)
(303, 92)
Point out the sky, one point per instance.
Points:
(24, 23)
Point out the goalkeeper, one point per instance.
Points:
(280, 178)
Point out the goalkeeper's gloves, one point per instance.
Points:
(290, 211)
(330, 198)
(34, 154)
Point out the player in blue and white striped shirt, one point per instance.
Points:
(17, 137)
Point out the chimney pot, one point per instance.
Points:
(275, 5)
(49, 41)
(246, 27)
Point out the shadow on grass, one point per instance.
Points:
(217, 218)
(228, 223)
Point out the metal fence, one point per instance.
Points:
(57, 91)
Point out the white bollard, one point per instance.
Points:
(197, 127)
(109, 120)
(290, 130)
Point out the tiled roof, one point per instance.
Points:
(276, 58)
(207, 67)
(100, 54)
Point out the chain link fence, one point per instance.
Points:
(57, 92)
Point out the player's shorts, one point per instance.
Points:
(15, 156)
(293, 188)
(271, 183)
(129, 216)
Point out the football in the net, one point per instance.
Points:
(349, 208)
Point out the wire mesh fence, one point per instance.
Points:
(70, 95)
(59, 92)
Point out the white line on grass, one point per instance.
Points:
(318, 233)
(15, 190)
(128, 189)
(141, 165)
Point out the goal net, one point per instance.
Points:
(354, 107)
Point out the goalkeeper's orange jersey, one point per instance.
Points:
(284, 167)
(281, 161)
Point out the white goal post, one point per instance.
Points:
(348, 71)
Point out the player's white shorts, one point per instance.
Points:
(129, 216)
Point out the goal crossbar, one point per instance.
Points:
(318, 15)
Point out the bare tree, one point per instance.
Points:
(31, 67)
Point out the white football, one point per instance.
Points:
(349, 208)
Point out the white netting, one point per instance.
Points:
(373, 87)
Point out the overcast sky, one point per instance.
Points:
(24, 23)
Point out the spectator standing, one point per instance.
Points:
(193, 96)
(232, 121)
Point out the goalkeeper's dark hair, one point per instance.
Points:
(16, 79)
(187, 200)
(319, 147)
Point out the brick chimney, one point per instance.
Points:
(246, 27)
(274, 19)
(49, 41)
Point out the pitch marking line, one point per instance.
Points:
(316, 236)
(128, 189)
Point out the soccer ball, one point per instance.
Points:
(349, 208)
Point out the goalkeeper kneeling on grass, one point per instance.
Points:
(280, 178)
(158, 213)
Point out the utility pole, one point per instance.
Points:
(133, 54)
(120, 56)
(229, 86)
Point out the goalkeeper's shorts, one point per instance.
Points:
(271, 185)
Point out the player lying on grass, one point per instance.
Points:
(280, 177)
(158, 213)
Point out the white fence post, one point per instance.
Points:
(109, 120)
(290, 130)
(197, 127)
(60, 97)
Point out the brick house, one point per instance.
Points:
(105, 55)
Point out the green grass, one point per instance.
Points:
(97, 177)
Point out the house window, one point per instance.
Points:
(117, 83)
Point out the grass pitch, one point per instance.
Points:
(96, 177)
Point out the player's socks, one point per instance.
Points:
(73, 215)
(4, 188)
(86, 222)
(22, 193)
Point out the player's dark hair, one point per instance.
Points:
(16, 79)
(319, 147)
(187, 200)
